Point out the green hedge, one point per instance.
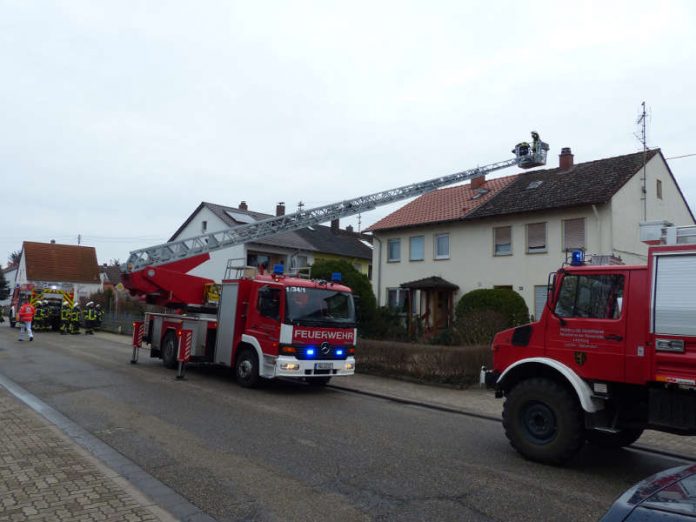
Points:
(452, 365)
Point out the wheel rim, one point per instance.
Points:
(245, 369)
(539, 422)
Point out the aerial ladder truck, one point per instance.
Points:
(265, 325)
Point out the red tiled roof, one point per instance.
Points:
(448, 204)
(61, 263)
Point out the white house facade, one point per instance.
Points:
(522, 232)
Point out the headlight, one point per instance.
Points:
(289, 366)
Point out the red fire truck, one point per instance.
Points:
(263, 325)
(613, 353)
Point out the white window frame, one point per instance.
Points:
(436, 242)
(397, 258)
(401, 295)
(411, 241)
(537, 250)
(495, 241)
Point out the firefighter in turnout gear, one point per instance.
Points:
(100, 316)
(90, 318)
(40, 316)
(75, 320)
(64, 318)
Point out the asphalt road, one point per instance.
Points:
(291, 452)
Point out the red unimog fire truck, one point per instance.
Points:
(265, 325)
(613, 353)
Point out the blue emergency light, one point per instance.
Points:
(336, 277)
(278, 269)
(309, 352)
(577, 258)
(339, 352)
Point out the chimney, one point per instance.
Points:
(334, 225)
(478, 182)
(565, 159)
(53, 241)
(243, 206)
(349, 228)
(280, 208)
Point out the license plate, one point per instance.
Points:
(323, 366)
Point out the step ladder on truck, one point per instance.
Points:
(265, 325)
(613, 353)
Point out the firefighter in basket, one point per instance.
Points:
(90, 318)
(75, 320)
(65, 318)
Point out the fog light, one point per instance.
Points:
(289, 366)
(350, 366)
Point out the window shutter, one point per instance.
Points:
(503, 235)
(573, 233)
(536, 236)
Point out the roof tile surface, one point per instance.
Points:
(61, 263)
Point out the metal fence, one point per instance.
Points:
(120, 323)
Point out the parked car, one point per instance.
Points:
(668, 496)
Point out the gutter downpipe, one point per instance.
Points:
(599, 226)
(379, 271)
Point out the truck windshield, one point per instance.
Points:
(319, 306)
(591, 296)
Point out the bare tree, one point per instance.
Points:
(15, 257)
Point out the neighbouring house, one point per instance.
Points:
(295, 250)
(110, 276)
(63, 267)
(513, 231)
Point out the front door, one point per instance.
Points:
(264, 319)
(588, 328)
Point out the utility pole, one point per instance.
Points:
(643, 139)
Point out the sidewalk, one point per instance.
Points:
(46, 476)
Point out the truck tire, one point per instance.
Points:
(619, 439)
(246, 369)
(169, 349)
(543, 421)
(318, 381)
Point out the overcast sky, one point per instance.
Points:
(120, 117)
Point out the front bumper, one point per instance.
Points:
(488, 378)
(291, 367)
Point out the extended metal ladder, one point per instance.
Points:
(208, 242)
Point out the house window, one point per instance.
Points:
(573, 234)
(536, 238)
(204, 226)
(394, 250)
(502, 239)
(442, 246)
(659, 189)
(416, 248)
(397, 299)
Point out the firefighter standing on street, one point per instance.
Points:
(26, 316)
(100, 316)
(90, 317)
(75, 320)
(64, 318)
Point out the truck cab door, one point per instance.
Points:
(587, 328)
(264, 319)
